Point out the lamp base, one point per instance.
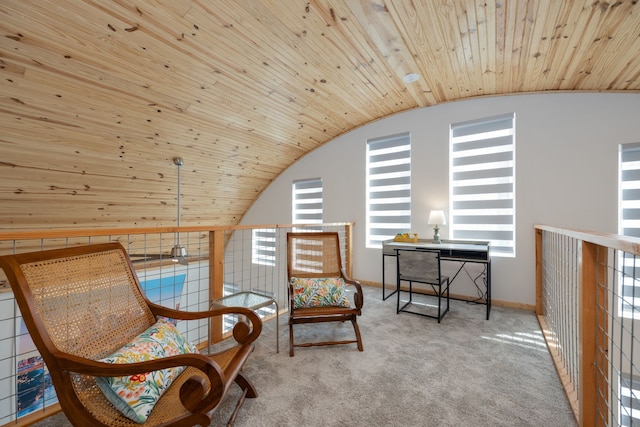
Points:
(436, 234)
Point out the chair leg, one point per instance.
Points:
(290, 339)
(410, 291)
(398, 297)
(446, 289)
(232, 419)
(447, 294)
(439, 294)
(439, 302)
(246, 385)
(354, 321)
(248, 390)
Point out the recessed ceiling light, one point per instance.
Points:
(411, 77)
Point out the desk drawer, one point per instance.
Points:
(464, 255)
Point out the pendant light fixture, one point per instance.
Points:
(178, 252)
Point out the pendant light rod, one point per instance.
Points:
(178, 162)
(178, 252)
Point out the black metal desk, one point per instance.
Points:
(460, 251)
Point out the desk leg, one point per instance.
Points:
(488, 289)
(487, 282)
(385, 297)
(277, 326)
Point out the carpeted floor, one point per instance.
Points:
(466, 371)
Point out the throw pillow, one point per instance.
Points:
(136, 395)
(319, 292)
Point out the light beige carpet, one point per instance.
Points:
(465, 371)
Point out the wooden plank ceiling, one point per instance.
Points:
(98, 96)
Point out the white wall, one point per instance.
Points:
(566, 174)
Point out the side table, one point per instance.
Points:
(251, 300)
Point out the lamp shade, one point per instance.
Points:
(437, 218)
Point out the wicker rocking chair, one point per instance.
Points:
(318, 284)
(81, 304)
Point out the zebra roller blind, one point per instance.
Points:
(629, 225)
(388, 188)
(307, 201)
(482, 183)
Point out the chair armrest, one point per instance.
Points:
(241, 332)
(193, 393)
(96, 368)
(357, 296)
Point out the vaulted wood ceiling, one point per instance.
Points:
(98, 96)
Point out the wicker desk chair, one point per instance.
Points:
(81, 304)
(316, 255)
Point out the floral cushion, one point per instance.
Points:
(319, 292)
(136, 395)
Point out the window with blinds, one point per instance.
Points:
(388, 188)
(263, 246)
(629, 225)
(307, 202)
(482, 184)
(629, 406)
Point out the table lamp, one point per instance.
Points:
(436, 218)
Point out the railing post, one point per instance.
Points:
(539, 273)
(348, 241)
(216, 278)
(588, 392)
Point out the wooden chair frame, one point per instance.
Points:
(71, 356)
(332, 268)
